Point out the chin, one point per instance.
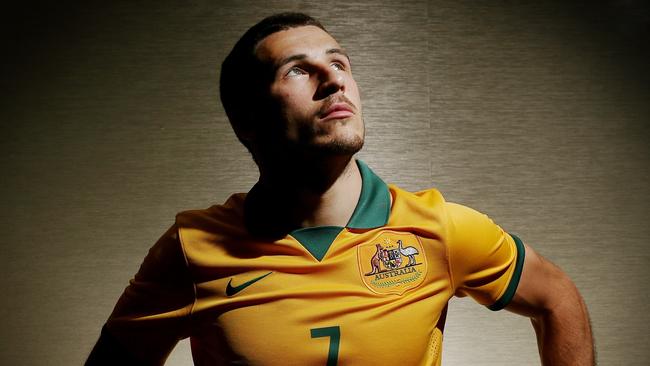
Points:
(347, 146)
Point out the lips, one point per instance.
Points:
(336, 111)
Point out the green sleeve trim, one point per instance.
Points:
(514, 281)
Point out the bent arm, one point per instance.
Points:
(557, 311)
(152, 314)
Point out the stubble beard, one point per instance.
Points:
(346, 147)
(281, 155)
(310, 142)
(341, 142)
(348, 144)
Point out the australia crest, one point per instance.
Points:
(392, 262)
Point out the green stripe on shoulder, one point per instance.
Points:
(514, 281)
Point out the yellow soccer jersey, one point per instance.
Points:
(372, 293)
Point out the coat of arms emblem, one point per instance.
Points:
(392, 262)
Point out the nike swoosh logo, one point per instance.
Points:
(233, 290)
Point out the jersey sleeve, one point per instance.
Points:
(153, 313)
(485, 262)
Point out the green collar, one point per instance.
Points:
(373, 207)
(372, 211)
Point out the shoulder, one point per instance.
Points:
(429, 197)
(200, 230)
(466, 222)
(427, 205)
(224, 216)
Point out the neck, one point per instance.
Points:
(322, 193)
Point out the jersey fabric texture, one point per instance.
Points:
(374, 292)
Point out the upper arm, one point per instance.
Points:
(152, 314)
(485, 261)
(542, 286)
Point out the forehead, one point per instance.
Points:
(308, 40)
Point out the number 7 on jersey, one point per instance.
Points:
(334, 333)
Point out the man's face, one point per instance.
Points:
(312, 94)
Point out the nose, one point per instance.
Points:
(330, 82)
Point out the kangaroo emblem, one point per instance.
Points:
(376, 260)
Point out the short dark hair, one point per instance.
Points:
(242, 73)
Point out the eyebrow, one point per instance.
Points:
(338, 51)
(302, 56)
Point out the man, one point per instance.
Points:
(322, 263)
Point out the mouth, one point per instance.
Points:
(337, 111)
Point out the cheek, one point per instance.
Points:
(353, 93)
(294, 99)
(301, 108)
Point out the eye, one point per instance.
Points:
(338, 66)
(295, 71)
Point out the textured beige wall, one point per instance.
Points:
(536, 113)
